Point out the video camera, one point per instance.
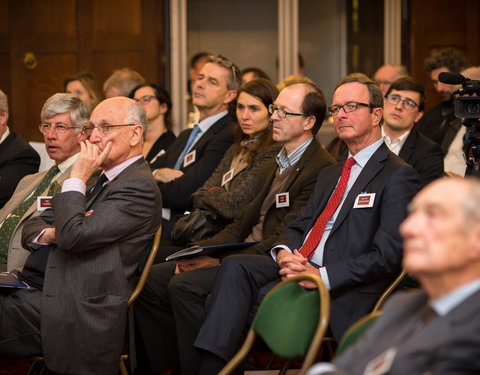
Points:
(467, 108)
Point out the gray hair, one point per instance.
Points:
(472, 201)
(63, 103)
(234, 79)
(136, 115)
(3, 102)
(124, 80)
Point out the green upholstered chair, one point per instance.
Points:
(291, 320)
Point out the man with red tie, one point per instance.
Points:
(347, 233)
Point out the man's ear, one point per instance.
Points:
(419, 116)
(137, 135)
(309, 122)
(82, 136)
(230, 96)
(163, 108)
(377, 114)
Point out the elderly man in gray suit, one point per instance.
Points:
(85, 252)
(435, 330)
(63, 117)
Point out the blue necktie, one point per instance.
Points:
(191, 138)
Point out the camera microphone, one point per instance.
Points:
(451, 78)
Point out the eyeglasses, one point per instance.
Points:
(282, 113)
(408, 104)
(58, 128)
(104, 129)
(347, 107)
(145, 99)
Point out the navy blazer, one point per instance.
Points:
(363, 252)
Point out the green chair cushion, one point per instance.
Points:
(287, 320)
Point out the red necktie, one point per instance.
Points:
(317, 231)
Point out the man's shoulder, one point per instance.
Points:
(315, 153)
(15, 145)
(424, 144)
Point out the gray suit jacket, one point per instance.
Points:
(447, 345)
(88, 278)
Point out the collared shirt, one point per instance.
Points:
(206, 124)
(449, 301)
(285, 161)
(396, 144)
(75, 184)
(455, 159)
(361, 159)
(5, 135)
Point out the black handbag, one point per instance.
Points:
(197, 225)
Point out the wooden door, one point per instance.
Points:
(43, 42)
(442, 23)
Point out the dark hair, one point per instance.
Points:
(162, 96)
(410, 84)
(257, 72)
(314, 104)
(234, 79)
(198, 57)
(90, 83)
(375, 97)
(265, 91)
(451, 58)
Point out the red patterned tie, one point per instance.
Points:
(317, 231)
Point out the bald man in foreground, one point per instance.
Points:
(436, 330)
(85, 252)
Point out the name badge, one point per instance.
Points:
(364, 200)
(282, 200)
(227, 177)
(382, 363)
(44, 203)
(161, 153)
(189, 158)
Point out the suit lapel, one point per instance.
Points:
(373, 166)
(5, 150)
(407, 149)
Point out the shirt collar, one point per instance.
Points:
(400, 140)
(363, 156)
(285, 161)
(116, 170)
(64, 165)
(446, 303)
(5, 135)
(207, 123)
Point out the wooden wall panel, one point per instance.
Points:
(4, 48)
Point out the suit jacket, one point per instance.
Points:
(447, 345)
(209, 151)
(16, 253)
(424, 155)
(88, 278)
(364, 249)
(17, 159)
(299, 186)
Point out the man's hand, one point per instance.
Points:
(48, 236)
(89, 160)
(167, 174)
(204, 261)
(294, 264)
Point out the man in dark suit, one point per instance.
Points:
(354, 245)
(86, 251)
(402, 108)
(17, 157)
(195, 154)
(435, 330)
(172, 304)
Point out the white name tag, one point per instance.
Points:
(44, 203)
(162, 152)
(364, 200)
(381, 364)
(227, 177)
(189, 158)
(282, 200)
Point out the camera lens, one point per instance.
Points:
(473, 108)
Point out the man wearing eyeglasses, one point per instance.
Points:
(403, 108)
(85, 251)
(172, 304)
(63, 117)
(347, 233)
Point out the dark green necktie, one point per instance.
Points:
(8, 227)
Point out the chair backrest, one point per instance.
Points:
(356, 331)
(146, 266)
(291, 320)
(391, 288)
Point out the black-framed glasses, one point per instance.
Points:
(282, 113)
(145, 99)
(58, 128)
(408, 104)
(347, 107)
(103, 129)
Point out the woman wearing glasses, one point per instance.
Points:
(234, 182)
(158, 106)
